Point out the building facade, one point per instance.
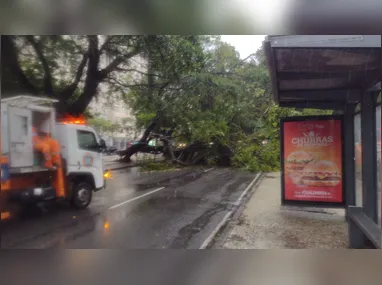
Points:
(111, 107)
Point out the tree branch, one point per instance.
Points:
(105, 44)
(103, 73)
(80, 69)
(48, 85)
(69, 90)
(162, 85)
(248, 57)
(92, 81)
(242, 61)
(10, 59)
(137, 71)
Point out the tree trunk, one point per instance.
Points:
(142, 143)
(92, 80)
(79, 106)
(188, 153)
(148, 130)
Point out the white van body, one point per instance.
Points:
(76, 141)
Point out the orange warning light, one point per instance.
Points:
(70, 120)
(107, 175)
(5, 215)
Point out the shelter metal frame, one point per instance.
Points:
(337, 73)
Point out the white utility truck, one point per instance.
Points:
(24, 179)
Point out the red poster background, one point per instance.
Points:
(331, 151)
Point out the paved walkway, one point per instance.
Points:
(264, 224)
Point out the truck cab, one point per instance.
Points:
(24, 177)
(81, 151)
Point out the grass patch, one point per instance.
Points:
(159, 166)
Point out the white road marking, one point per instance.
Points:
(215, 231)
(228, 215)
(149, 193)
(238, 201)
(136, 198)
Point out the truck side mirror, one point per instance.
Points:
(102, 143)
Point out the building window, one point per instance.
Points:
(358, 158)
(86, 140)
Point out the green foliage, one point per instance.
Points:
(143, 119)
(252, 155)
(196, 86)
(104, 126)
(72, 68)
(208, 126)
(158, 166)
(224, 100)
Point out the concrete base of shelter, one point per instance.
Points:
(264, 224)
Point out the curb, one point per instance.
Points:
(233, 214)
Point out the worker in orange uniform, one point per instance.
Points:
(49, 147)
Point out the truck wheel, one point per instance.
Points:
(81, 195)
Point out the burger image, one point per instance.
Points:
(297, 160)
(321, 173)
(295, 164)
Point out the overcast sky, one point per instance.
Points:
(244, 44)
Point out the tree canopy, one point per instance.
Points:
(190, 89)
(224, 104)
(75, 69)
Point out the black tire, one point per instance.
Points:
(82, 194)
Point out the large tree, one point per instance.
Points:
(67, 68)
(222, 109)
(72, 68)
(207, 107)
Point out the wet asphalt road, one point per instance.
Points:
(171, 210)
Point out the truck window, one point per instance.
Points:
(86, 140)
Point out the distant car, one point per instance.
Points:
(121, 152)
(129, 144)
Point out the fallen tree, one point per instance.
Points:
(222, 109)
(193, 154)
(207, 109)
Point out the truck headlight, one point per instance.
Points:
(107, 175)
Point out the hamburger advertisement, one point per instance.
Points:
(312, 160)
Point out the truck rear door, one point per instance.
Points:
(20, 137)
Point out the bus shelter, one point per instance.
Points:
(342, 74)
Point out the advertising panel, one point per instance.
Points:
(312, 160)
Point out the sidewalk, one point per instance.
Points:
(264, 224)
